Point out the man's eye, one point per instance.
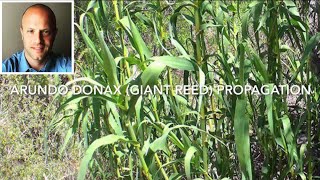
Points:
(46, 32)
(30, 31)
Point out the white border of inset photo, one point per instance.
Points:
(72, 35)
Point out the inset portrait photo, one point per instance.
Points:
(37, 37)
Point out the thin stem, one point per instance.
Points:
(198, 55)
(309, 160)
(160, 166)
(138, 150)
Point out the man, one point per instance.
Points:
(38, 30)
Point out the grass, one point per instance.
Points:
(23, 122)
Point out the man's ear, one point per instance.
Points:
(21, 31)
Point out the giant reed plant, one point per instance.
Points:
(173, 136)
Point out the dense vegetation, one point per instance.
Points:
(178, 136)
(23, 122)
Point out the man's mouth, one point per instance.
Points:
(38, 49)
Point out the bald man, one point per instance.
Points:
(38, 31)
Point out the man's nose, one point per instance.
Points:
(38, 37)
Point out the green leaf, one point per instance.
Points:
(179, 47)
(255, 3)
(71, 131)
(167, 130)
(289, 137)
(66, 141)
(269, 104)
(91, 4)
(301, 156)
(293, 10)
(96, 105)
(140, 44)
(144, 19)
(77, 98)
(242, 66)
(176, 62)
(161, 142)
(106, 140)
(205, 26)
(302, 176)
(151, 73)
(314, 40)
(257, 62)
(285, 48)
(241, 133)
(114, 118)
(244, 25)
(187, 160)
(87, 40)
(289, 3)
(105, 57)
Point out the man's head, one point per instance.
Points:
(38, 30)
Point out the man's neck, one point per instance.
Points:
(36, 64)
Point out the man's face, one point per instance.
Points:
(38, 34)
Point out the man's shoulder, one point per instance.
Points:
(11, 64)
(62, 62)
(15, 57)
